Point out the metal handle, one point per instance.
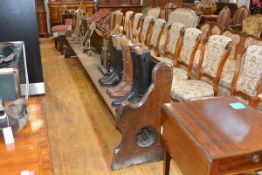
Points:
(256, 158)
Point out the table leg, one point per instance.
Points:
(166, 161)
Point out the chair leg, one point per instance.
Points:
(166, 163)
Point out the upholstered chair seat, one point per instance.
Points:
(212, 62)
(189, 90)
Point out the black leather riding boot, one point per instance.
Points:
(135, 85)
(144, 79)
(116, 76)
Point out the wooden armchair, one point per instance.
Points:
(247, 81)
(253, 25)
(213, 57)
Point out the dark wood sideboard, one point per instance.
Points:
(41, 18)
(55, 9)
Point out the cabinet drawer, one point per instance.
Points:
(243, 162)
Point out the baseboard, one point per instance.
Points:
(34, 88)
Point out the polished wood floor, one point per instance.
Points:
(81, 129)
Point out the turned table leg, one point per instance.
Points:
(166, 161)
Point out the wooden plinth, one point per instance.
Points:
(90, 65)
(30, 151)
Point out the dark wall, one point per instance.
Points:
(18, 23)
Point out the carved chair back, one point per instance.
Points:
(155, 35)
(154, 12)
(128, 16)
(186, 16)
(223, 18)
(240, 15)
(247, 80)
(186, 53)
(145, 26)
(253, 25)
(174, 38)
(136, 23)
(116, 19)
(213, 57)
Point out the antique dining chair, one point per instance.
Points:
(247, 82)
(213, 57)
(172, 43)
(207, 29)
(253, 25)
(155, 34)
(223, 18)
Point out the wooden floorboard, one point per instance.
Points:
(81, 130)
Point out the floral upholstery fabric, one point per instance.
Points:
(214, 52)
(235, 41)
(179, 74)
(186, 16)
(154, 12)
(250, 73)
(127, 18)
(253, 25)
(158, 26)
(189, 43)
(188, 90)
(230, 65)
(174, 34)
(228, 73)
(146, 24)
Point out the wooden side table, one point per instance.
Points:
(30, 151)
(208, 137)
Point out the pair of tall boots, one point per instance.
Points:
(141, 59)
(125, 84)
(114, 77)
